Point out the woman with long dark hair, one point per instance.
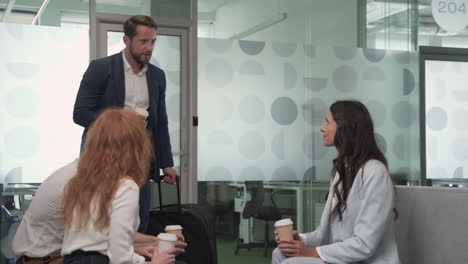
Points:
(357, 224)
(100, 204)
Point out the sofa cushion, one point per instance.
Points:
(432, 227)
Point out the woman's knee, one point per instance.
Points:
(277, 256)
(302, 260)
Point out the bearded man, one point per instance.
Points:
(128, 80)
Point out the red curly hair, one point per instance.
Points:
(117, 146)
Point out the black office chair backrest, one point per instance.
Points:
(257, 192)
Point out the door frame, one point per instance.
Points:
(433, 54)
(100, 23)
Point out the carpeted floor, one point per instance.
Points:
(226, 254)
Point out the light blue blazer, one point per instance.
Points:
(366, 233)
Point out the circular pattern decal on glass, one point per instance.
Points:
(345, 53)
(284, 49)
(310, 174)
(251, 109)
(374, 55)
(22, 142)
(284, 111)
(315, 84)
(402, 57)
(15, 30)
(378, 112)
(312, 146)
(23, 70)
(252, 174)
(14, 175)
(22, 102)
(436, 119)
(284, 174)
(458, 173)
(277, 146)
(252, 145)
(290, 76)
(409, 83)
(314, 111)
(310, 50)
(251, 47)
(403, 114)
(345, 78)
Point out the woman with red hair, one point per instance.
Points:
(101, 200)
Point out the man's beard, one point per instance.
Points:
(138, 58)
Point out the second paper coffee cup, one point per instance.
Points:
(173, 229)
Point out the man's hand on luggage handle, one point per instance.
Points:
(169, 175)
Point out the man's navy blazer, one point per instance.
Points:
(103, 86)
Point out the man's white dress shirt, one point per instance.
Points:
(136, 89)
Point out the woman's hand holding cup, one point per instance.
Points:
(165, 257)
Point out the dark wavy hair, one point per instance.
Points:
(355, 143)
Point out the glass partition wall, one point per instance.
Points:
(406, 25)
(44, 51)
(262, 105)
(267, 72)
(266, 82)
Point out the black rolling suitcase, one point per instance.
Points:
(197, 224)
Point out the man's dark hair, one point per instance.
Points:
(132, 23)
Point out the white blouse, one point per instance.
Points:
(39, 234)
(115, 241)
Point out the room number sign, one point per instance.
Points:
(451, 15)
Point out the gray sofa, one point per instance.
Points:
(432, 227)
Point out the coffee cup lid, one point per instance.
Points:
(173, 227)
(167, 237)
(283, 222)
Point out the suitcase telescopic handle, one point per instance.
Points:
(178, 192)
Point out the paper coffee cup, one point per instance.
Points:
(284, 228)
(173, 229)
(166, 241)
